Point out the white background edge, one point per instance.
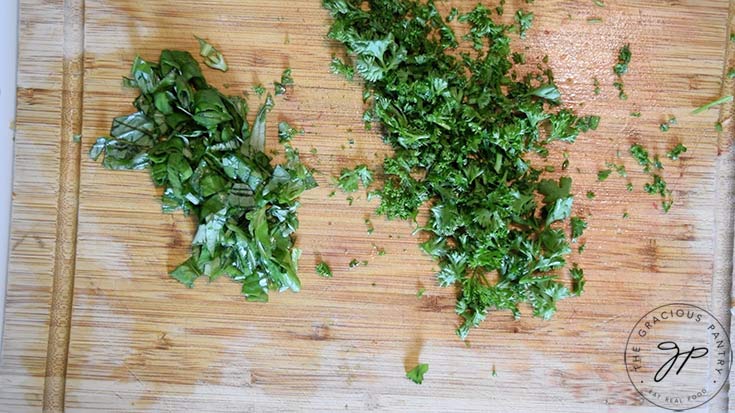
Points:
(8, 72)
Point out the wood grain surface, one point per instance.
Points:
(139, 341)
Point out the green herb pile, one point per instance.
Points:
(200, 147)
(463, 125)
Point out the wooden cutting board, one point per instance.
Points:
(90, 249)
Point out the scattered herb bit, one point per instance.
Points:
(565, 165)
(596, 84)
(331, 194)
(657, 163)
(635, 114)
(323, 270)
(259, 90)
(578, 280)
(370, 227)
(350, 179)
(732, 37)
(439, 109)
(578, 226)
(591, 195)
(350, 200)
(667, 125)
(339, 67)
(620, 169)
(420, 292)
(626, 215)
(603, 174)
(731, 73)
(629, 187)
(381, 252)
(582, 248)
(640, 154)
(676, 152)
(718, 127)
(598, 3)
(594, 20)
(620, 69)
(658, 186)
(416, 374)
(76, 138)
(286, 132)
(212, 57)
(211, 162)
(313, 151)
(286, 81)
(355, 263)
(624, 56)
(494, 373)
(523, 20)
(720, 101)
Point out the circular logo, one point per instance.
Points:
(678, 356)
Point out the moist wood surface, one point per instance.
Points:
(139, 341)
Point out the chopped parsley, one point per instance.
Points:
(286, 81)
(596, 84)
(578, 280)
(461, 126)
(211, 163)
(668, 124)
(370, 227)
(286, 132)
(676, 152)
(621, 68)
(620, 169)
(416, 374)
(578, 226)
(640, 154)
(323, 270)
(350, 179)
(591, 195)
(420, 292)
(603, 174)
(523, 20)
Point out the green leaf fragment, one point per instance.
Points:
(201, 149)
(212, 57)
(676, 152)
(323, 270)
(416, 374)
(720, 101)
